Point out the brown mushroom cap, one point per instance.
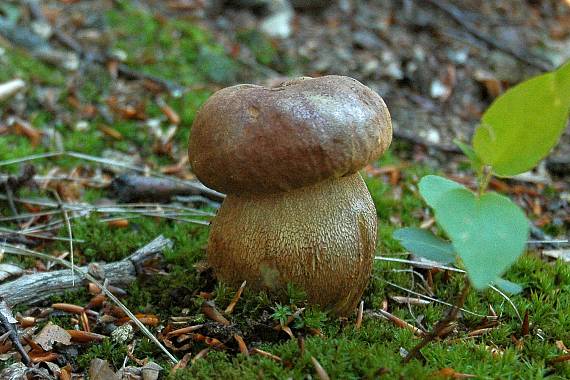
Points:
(254, 139)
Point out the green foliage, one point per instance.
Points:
(281, 313)
(508, 286)
(488, 232)
(312, 318)
(425, 244)
(434, 188)
(107, 350)
(295, 294)
(522, 126)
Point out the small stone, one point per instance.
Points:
(278, 23)
(42, 29)
(438, 89)
(458, 56)
(81, 125)
(433, 136)
(366, 40)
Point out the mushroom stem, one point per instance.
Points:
(320, 237)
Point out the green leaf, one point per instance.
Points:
(488, 232)
(508, 286)
(425, 244)
(433, 187)
(524, 124)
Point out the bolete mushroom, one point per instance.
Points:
(297, 210)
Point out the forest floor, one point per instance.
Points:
(115, 86)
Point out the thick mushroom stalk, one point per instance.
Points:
(296, 211)
(296, 236)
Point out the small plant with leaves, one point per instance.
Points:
(488, 232)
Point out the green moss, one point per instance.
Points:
(172, 49)
(18, 64)
(260, 45)
(107, 350)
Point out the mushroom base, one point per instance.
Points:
(321, 238)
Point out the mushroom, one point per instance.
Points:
(297, 210)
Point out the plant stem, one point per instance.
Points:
(484, 179)
(441, 325)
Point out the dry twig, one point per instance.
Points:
(441, 326)
(27, 252)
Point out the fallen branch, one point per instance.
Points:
(129, 188)
(496, 43)
(7, 326)
(39, 286)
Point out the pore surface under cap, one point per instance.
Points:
(253, 139)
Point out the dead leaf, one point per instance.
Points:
(42, 357)
(51, 334)
(101, 370)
